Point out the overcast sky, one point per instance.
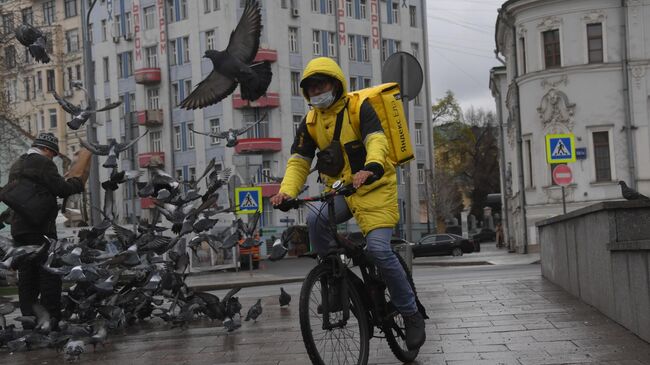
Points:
(461, 49)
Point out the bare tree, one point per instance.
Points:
(447, 199)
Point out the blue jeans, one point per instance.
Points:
(377, 244)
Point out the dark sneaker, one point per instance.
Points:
(415, 335)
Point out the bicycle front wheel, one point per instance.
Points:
(347, 344)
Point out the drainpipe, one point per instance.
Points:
(627, 98)
(170, 102)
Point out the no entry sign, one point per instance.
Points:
(562, 175)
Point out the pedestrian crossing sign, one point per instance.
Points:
(248, 200)
(560, 148)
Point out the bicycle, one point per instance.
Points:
(332, 292)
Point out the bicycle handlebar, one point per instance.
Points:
(295, 203)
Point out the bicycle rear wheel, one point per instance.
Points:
(394, 327)
(348, 344)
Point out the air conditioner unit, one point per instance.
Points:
(128, 36)
(295, 12)
(68, 93)
(116, 39)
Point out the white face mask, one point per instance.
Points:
(323, 100)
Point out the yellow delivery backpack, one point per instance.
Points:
(386, 99)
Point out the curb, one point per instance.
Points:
(451, 264)
(247, 284)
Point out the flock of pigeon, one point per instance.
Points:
(140, 274)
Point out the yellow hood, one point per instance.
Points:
(325, 66)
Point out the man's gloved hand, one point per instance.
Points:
(360, 178)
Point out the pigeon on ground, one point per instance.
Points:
(631, 194)
(80, 115)
(254, 311)
(73, 350)
(232, 323)
(34, 40)
(231, 134)
(234, 66)
(285, 298)
(112, 149)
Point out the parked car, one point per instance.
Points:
(443, 244)
(485, 235)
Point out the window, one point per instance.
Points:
(353, 83)
(415, 50)
(265, 172)
(348, 9)
(78, 72)
(216, 5)
(395, 12)
(70, 77)
(297, 119)
(595, 42)
(192, 171)
(187, 87)
(173, 53)
(152, 99)
(366, 82)
(315, 6)
(7, 23)
(413, 19)
(365, 49)
(124, 64)
(352, 47)
(207, 4)
(552, 48)
(106, 71)
(48, 13)
(215, 128)
(331, 44)
(70, 8)
(522, 48)
(151, 55)
(295, 83)
(27, 15)
(183, 9)
(186, 49)
(418, 134)
(177, 138)
(72, 40)
(420, 173)
(52, 113)
(190, 135)
(176, 93)
(384, 49)
(602, 159)
(10, 56)
(26, 85)
(362, 9)
(529, 182)
(316, 43)
(171, 11)
(179, 175)
(49, 76)
(149, 17)
(293, 39)
(39, 82)
(209, 39)
(104, 31)
(155, 139)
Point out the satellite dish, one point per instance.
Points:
(404, 69)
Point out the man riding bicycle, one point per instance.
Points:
(353, 148)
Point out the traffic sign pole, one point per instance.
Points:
(563, 201)
(562, 176)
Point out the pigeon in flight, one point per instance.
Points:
(79, 115)
(234, 66)
(254, 312)
(285, 298)
(112, 149)
(34, 40)
(231, 134)
(631, 194)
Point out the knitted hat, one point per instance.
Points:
(47, 140)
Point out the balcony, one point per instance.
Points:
(270, 100)
(264, 54)
(269, 189)
(151, 159)
(150, 118)
(147, 76)
(147, 203)
(258, 145)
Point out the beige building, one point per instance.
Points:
(27, 85)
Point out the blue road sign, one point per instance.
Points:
(560, 148)
(248, 200)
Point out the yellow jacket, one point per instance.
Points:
(373, 206)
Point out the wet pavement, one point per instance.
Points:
(501, 314)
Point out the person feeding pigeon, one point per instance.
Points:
(357, 137)
(40, 183)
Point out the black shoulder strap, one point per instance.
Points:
(339, 123)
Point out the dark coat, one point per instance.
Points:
(42, 171)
